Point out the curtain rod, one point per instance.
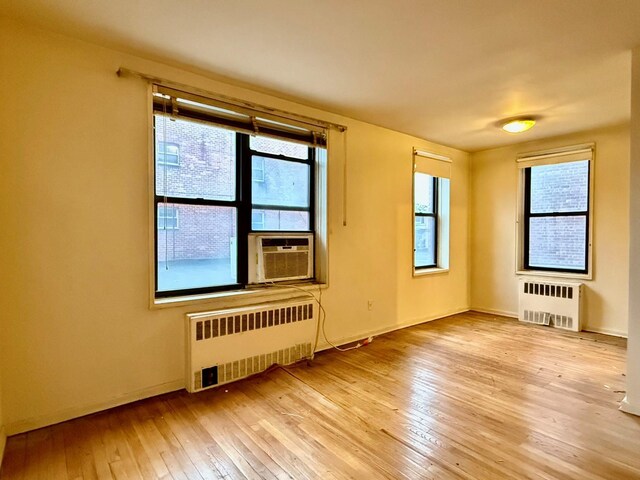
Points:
(125, 72)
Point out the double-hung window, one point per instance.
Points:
(430, 212)
(236, 174)
(555, 217)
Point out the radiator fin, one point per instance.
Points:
(218, 327)
(246, 367)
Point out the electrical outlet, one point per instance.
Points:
(370, 304)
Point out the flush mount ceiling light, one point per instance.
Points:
(518, 125)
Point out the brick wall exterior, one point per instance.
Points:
(559, 241)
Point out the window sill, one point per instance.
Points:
(237, 298)
(542, 273)
(419, 272)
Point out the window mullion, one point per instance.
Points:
(243, 185)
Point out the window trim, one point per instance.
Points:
(547, 157)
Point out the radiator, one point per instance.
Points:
(227, 345)
(550, 303)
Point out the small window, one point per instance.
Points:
(168, 153)
(167, 217)
(555, 212)
(257, 220)
(430, 212)
(257, 169)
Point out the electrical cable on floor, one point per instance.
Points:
(322, 317)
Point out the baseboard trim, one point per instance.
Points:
(34, 423)
(3, 443)
(626, 407)
(381, 331)
(504, 313)
(491, 311)
(605, 331)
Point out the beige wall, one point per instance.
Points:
(3, 437)
(79, 335)
(631, 402)
(493, 213)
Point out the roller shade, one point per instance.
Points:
(569, 154)
(431, 164)
(241, 118)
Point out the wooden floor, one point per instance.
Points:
(470, 396)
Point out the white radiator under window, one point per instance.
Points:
(557, 304)
(228, 345)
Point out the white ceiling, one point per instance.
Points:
(444, 70)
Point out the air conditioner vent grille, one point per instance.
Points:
(285, 264)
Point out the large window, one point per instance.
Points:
(226, 184)
(556, 212)
(430, 212)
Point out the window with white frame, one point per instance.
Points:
(167, 153)
(239, 174)
(431, 197)
(167, 217)
(555, 213)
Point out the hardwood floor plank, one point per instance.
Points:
(472, 396)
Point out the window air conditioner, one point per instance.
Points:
(276, 257)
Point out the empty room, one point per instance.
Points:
(386, 239)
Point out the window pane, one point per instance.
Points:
(201, 252)
(561, 187)
(286, 220)
(279, 147)
(285, 183)
(207, 164)
(423, 193)
(558, 242)
(425, 241)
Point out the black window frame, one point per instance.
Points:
(434, 215)
(577, 213)
(242, 203)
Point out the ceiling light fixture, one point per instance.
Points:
(518, 125)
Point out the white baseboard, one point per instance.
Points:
(504, 313)
(80, 411)
(605, 331)
(381, 331)
(491, 311)
(3, 443)
(626, 407)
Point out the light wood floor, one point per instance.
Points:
(470, 396)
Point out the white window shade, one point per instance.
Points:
(547, 157)
(431, 164)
